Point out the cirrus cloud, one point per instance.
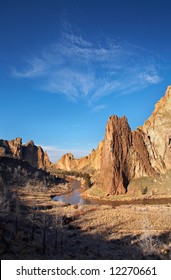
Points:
(84, 69)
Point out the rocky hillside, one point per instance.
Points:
(29, 152)
(125, 155)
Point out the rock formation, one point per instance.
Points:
(67, 162)
(35, 155)
(125, 155)
(157, 131)
(11, 148)
(114, 173)
(29, 152)
(146, 151)
(84, 164)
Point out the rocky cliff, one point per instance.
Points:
(35, 155)
(125, 155)
(29, 152)
(144, 152)
(157, 134)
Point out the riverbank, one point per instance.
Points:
(97, 194)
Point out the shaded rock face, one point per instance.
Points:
(16, 172)
(35, 155)
(139, 162)
(11, 148)
(29, 152)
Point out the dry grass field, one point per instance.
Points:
(40, 228)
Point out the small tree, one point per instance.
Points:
(87, 180)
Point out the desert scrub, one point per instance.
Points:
(152, 246)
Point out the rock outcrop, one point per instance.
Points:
(129, 155)
(117, 142)
(35, 155)
(157, 131)
(11, 148)
(29, 152)
(67, 162)
(125, 155)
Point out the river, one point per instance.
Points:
(74, 198)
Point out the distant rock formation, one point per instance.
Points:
(84, 164)
(67, 162)
(125, 155)
(29, 152)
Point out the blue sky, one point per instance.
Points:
(66, 66)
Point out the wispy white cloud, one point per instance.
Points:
(85, 69)
(36, 67)
(98, 108)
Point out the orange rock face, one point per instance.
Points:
(67, 162)
(158, 134)
(84, 164)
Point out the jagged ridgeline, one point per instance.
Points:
(121, 158)
(125, 155)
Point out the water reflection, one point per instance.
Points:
(74, 198)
